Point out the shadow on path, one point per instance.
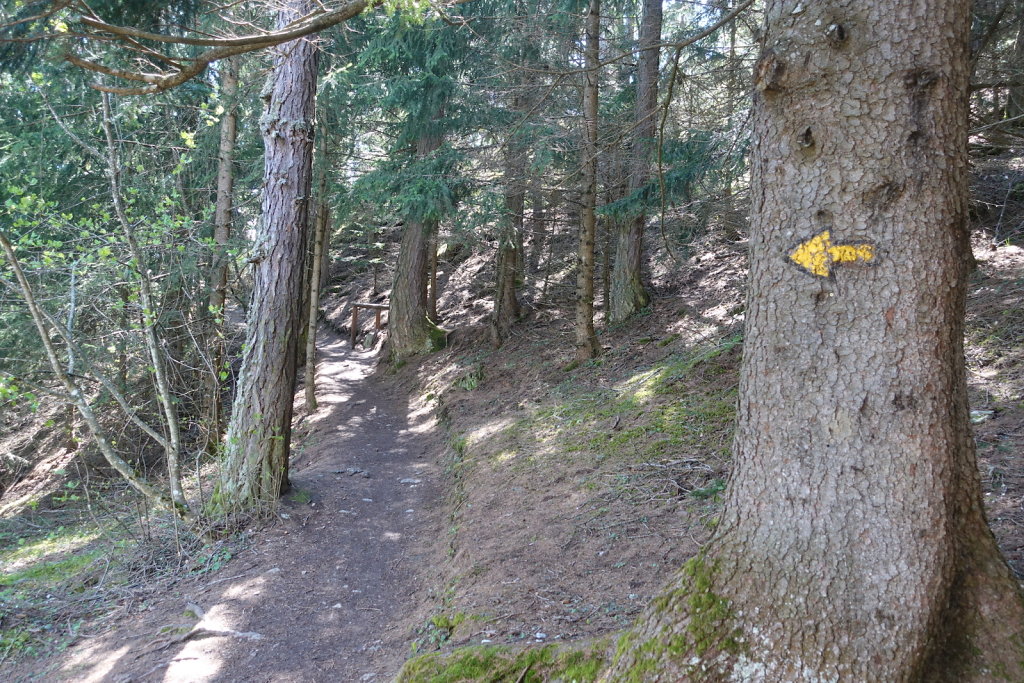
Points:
(331, 592)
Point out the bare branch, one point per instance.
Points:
(221, 48)
(57, 6)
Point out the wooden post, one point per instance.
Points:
(355, 324)
(378, 308)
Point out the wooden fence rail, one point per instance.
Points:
(378, 308)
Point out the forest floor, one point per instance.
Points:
(502, 497)
(326, 593)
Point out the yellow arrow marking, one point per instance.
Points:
(817, 254)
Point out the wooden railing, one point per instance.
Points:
(377, 308)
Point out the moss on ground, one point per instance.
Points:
(499, 664)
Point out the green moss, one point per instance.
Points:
(708, 625)
(580, 666)
(709, 616)
(437, 338)
(499, 664)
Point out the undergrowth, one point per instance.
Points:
(63, 571)
(660, 432)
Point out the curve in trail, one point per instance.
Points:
(330, 593)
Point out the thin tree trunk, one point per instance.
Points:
(432, 314)
(1015, 97)
(506, 300)
(221, 236)
(553, 205)
(74, 394)
(537, 226)
(72, 441)
(149, 316)
(587, 345)
(853, 545)
(606, 268)
(322, 219)
(255, 470)
(628, 294)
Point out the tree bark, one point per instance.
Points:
(1015, 96)
(322, 219)
(853, 545)
(410, 331)
(221, 236)
(432, 314)
(628, 294)
(506, 300)
(538, 227)
(255, 470)
(587, 345)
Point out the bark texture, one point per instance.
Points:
(587, 345)
(320, 236)
(853, 546)
(256, 465)
(509, 260)
(627, 289)
(410, 331)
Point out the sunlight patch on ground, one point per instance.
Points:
(91, 664)
(244, 589)
(423, 410)
(426, 424)
(487, 430)
(196, 663)
(32, 552)
(641, 385)
(199, 660)
(505, 456)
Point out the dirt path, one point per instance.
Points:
(329, 593)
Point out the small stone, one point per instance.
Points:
(336, 605)
(275, 570)
(409, 480)
(485, 641)
(367, 500)
(540, 636)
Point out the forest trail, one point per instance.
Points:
(328, 593)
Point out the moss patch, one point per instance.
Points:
(497, 664)
(707, 632)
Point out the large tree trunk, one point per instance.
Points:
(255, 470)
(410, 331)
(221, 236)
(627, 290)
(587, 345)
(853, 545)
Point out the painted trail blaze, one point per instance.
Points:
(817, 254)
